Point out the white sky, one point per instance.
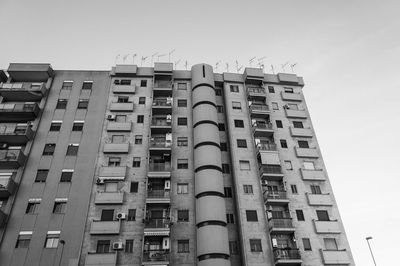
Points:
(347, 51)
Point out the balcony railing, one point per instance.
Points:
(280, 194)
(259, 107)
(159, 167)
(161, 122)
(13, 129)
(271, 169)
(162, 102)
(281, 223)
(160, 144)
(163, 84)
(255, 90)
(286, 254)
(266, 146)
(156, 255)
(157, 223)
(259, 125)
(18, 107)
(159, 194)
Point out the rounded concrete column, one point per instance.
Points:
(212, 234)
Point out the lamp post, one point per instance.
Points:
(368, 238)
(62, 242)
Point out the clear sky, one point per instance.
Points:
(347, 51)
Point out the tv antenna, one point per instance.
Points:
(216, 65)
(176, 63)
(169, 55)
(133, 58)
(227, 67)
(251, 61)
(143, 60)
(117, 57)
(152, 58)
(261, 62)
(124, 58)
(186, 64)
(237, 66)
(284, 65)
(272, 69)
(292, 67)
(159, 56)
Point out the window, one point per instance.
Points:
(224, 146)
(322, 215)
(140, 119)
(292, 106)
(61, 104)
(233, 247)
(275, 106)
(288, 89)
(138, 139)
(24, 238)
(183, 246)
(66, 175)
(183, 164)
(182, 121)
(103, 246)
(288, 165)
(299, 215)
(303, 144)
(227, 192)
(297, 124)
(125, 82)
(182, 188)
(67, 85)
(129, 246)
(72, 149)
(241, 143)
(230, 218)
(114, 161)
(220, 109)
(33, 206)
(107, 215)
(315, 189)
(183, 215)
(330, 244)
(120, 118)
(77, 126)
(225, 168)
(239, 123)
(49, 149)
(271, 89)
(134, 187)
(251, 215)
(306, 244)
(294, 189)
(236, 106)
(283, 143)
(136, 162)
(131, 215)
(182, 103)
(87, 85)
(143, 83)
(182, 86)
(182, 141)
(244, 165)
(55, 126)
(221, 126)
(83, 104)
(279, 124)
(142, 100)
(123, 99)
(234, 88)
(41, 175)
(59, 206)
(248, 189)
(218, 92)
(255, 245)
(309, 165)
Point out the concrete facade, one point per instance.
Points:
(169, 167)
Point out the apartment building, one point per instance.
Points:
(156, 166)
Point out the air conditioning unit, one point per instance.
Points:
(3, 146)
(117, 245)
(100, 181)
(121, 216)
(274, 243)
(110, 117)
(264, 182)
(165, 243)
(269, 215)
(167, 184)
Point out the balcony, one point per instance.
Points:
(109, 198)
(124, 89)
(119, 126)
(276, 197)
(162, 106)
(117, 173)
(319, 199)
(116, 148)
(160, 144)
(103, 259)
(16, 134)
(7, 186)
(306, 152)
(104, 227)
(30, 72)
(22, 92)
(286, 256)
(262, 129)
(158, 196)
(335, 257)
(281, 226)
(11, 159)
(259, 109)
(327, 227)
(157, 223)
(156, 256)
(291, 96)
(159, 170)
(18, 112)
(161, 123)
(271, 172)
(301, 132)
(256, 92)
(290, 113)
(312, 175)
(266, 147)
(121, 107)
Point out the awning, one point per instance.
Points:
(157, 233)
(112, 178)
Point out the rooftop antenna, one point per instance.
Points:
(124, 58)
(160, 55)
(133, 58)
(251, 61)
(186, 64)
(261, 62)
(292, 67)
(152, 58)
(116, 58)
(216, 65)
(272, 69)
(284, 65)
(143, 60)
(176, 63)
(237, 66)
(227, 67)
(169, 55)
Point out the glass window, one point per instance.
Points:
(143, 83)
(294, 189)
(330, 244)
(234, 88)
(275, 106)
(182, 86)
(32, 207)
(322, 215)
(299, 215)
(66, 175)
(183, 215)
(315, 189)
(183, 188)
(239, 123)
(236, 106)
(61, 104)
(142, 100)
(297, 124)
(271, 89)
(77, 126)
(218, 91)
(251, 215)
(227, 192)
(134, 187)
(221, 127)
(131, 215)
(140, 119)
(182, 121)
(309, 165)
(244, 165)
(233, 247)
(72, 149)
(41, 175)
(183, 246)
(136, 162)
(129, 246)
(182, 103)
(255, 245)
(241, 143)
(125, 82)
(67, 85)
(182, 141)
(138, 139)
(303, 144)
(279, 124)
(55, 126)
(248, 189)
(230, 218)
(114, 161)
(224, 146)
(292, 106)
(226, 168)
(306, 244)
(103, 246)
(120, 118)
(288, 89)
(220, 109)
(59, 207)
(83, 104)
(283, 143)
(107, 215)
(183, 164)
(123, 99)
(87, 85)
(49, 149)
(23, 240)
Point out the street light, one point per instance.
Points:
(368, 238)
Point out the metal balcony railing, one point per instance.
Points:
(160, 143)
(160, 122)
(281, 223)
(9, 155)
(13, 129)
(259, 107)
(267, 146)
(162, 102)
(286, 254)
(280, 194)
(156, 255)
(157, 223)
(159, 167)
(17, 107)
(163, 84)
(262, 125)
(255, 90)
(159, 194)
(271, 169)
